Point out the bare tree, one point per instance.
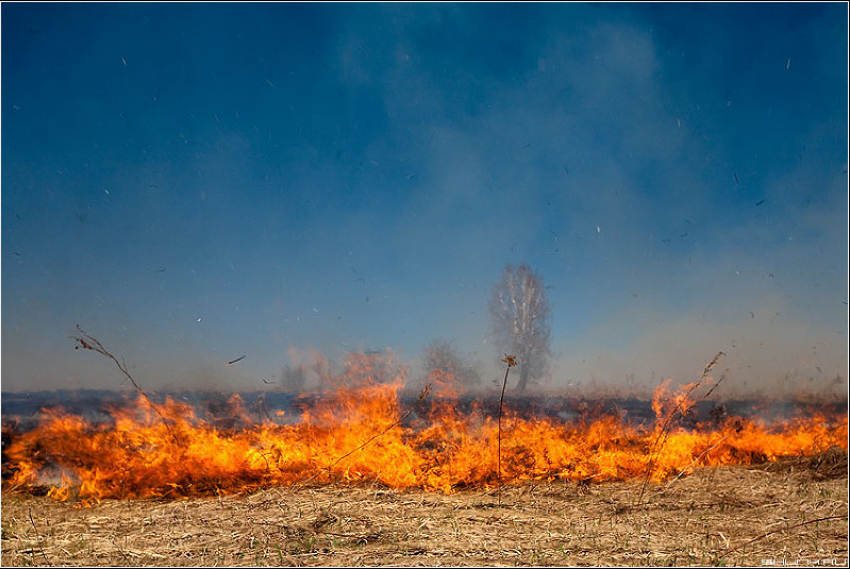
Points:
(519, 315)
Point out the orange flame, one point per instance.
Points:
(356, 432)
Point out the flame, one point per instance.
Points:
(358, 431)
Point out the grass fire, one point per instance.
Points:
(359, 431)
(363, 472)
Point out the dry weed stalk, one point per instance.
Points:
(88, 342)
(510, 361)
(675, 414)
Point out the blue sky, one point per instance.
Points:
(194, 182)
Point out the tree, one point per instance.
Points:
(519, 316)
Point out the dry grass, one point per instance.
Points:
(717, 516)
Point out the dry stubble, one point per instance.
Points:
(728, 515)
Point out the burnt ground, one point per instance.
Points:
(791, 512)
(20, 411)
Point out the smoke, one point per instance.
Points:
(373, 169)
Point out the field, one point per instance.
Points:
(790, 512)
